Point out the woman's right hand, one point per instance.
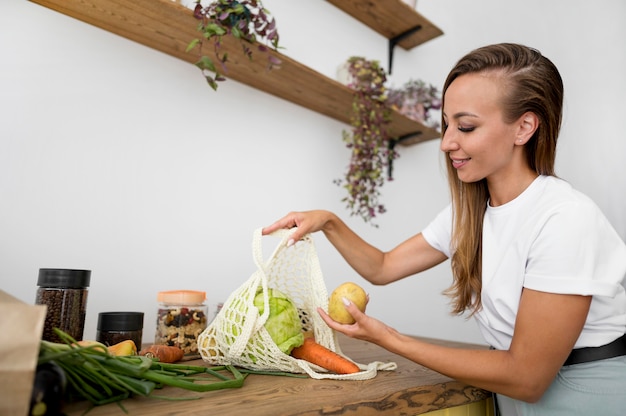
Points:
(306, 222)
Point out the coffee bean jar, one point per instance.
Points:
(64, 292)
(115, 327)
(181, 318)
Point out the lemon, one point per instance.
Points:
(336, 308)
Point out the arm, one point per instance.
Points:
(412, 256)
(546, 330)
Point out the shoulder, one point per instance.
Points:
(568, 221)
(555, 195)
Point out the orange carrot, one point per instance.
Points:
(317, 354)
(164, 353)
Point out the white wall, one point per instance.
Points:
(119, 159)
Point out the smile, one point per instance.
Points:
(458, 163)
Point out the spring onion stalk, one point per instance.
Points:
(101, 378)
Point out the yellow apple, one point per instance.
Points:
(337, 309)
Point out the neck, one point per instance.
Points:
(506, 190)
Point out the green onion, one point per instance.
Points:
(102, 378)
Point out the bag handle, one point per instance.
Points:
(261, 273)
(257, 246)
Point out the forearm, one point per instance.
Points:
(412, 256)
(495, 371)
(409, 257)
(364, 258)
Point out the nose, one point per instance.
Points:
(448, 141)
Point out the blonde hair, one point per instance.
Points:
(532, 84)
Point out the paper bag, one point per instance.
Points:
(21, 326)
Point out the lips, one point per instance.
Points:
(458, 163)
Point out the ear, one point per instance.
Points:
(527, 124)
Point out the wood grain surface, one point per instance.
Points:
(391, 18)
(409, 390)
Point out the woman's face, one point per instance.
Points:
(477, 140)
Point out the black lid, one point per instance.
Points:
(64, 278)
(120, 321)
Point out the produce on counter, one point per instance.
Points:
(101, 378)
(91, 343)
(319, 355)
(124, 348)
(163, 353)
(48, 390)
(283, 324)
(336, 308)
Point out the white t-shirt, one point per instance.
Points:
(551, 238)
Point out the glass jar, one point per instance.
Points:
(64, 292)
(115, 327)
(181, 318)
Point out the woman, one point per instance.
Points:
(534, 261)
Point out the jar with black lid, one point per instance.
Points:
(64, 292)
(115, 327)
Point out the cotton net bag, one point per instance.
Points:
(237, 335)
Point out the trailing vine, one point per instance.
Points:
(246, 20)
(368, 140)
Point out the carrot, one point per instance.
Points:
(317, 354)
(164, 353)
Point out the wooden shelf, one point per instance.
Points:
(391, 18)
(169, 27)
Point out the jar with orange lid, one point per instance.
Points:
(181, 318)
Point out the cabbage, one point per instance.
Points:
(283, 323)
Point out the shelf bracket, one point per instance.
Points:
(391, 146)
(396, 39)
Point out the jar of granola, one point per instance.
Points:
(181, 318)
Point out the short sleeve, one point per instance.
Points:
(439, 232)
(576, 251)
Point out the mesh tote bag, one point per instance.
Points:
(237, 336)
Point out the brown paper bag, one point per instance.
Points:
(21, 326)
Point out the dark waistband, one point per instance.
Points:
(616, 348)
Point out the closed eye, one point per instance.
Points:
(466, 129)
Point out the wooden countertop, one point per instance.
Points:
(409, 390)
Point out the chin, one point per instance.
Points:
(466, 179)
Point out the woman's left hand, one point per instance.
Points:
(364, 328)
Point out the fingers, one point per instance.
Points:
(330, 322)
(306, 222)
(291, 220)
(286, 222)
(353, 309)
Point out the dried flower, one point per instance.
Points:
(415, 99)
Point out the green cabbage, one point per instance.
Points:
(283, 323)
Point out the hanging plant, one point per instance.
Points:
(246, 20)
(368, 140)
(415, 99)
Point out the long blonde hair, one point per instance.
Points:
(532, 83)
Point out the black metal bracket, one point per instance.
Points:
(392, 144)
(396, 39)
